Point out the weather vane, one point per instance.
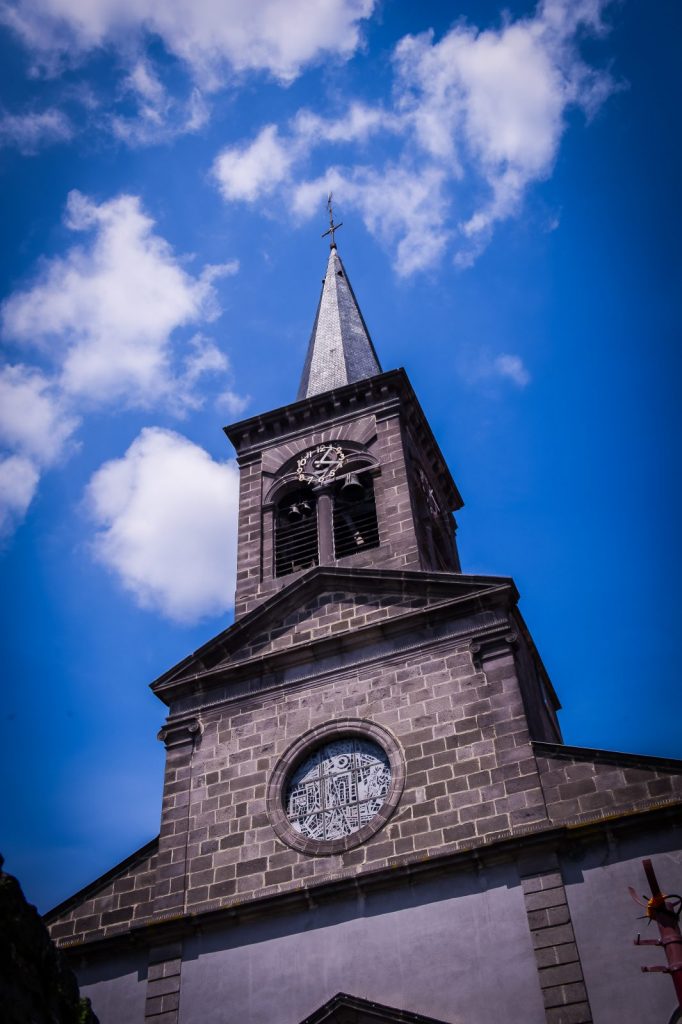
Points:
(332, 226)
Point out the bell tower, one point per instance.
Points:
(348, 475)
(366, 789)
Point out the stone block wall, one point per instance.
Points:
(398, 548)
(590, 784)
(470, 773)
(329, 614)
(123, 900)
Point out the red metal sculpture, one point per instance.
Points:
(665, 911)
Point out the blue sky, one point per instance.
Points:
(509, 187)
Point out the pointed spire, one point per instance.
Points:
(340, 349)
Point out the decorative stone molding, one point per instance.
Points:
(492, 646)
(175, 734)
(297, 753)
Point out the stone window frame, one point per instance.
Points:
(303, 747)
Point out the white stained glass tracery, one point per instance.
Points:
(338, 789)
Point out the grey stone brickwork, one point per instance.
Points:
(581, 784)
(330, 614)
(556, 953)
(441, 662)
(380, 417)
(123, 897)
(470, 771)
(456, 708)
(398, 546)
(162, 1003)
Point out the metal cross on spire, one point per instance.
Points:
(332, 226)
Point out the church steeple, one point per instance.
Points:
(340, 349)
(350, 474)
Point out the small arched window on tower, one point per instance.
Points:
(355, 515)
(296, 532)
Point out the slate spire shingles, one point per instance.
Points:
(340, 349)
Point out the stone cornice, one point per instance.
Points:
(449, 592)
(387, 394)
(272, 678)
(599, 756)
(413, 867)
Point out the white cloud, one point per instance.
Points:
(232, 403)
(403, 208)
(159, 115)
(356, 125)
(18, 482)
(167, 517)
(106, 312)
(478, 115)
(204, 359)
(512, 367)
(491, 104)
(31, 131)
(249, 171)
(36, 426)
(478, 367)
(213, 37)
(34, 419)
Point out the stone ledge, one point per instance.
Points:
(171, 926)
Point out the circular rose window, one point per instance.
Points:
(336, 787)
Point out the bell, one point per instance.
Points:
(305, 509)
(294, 514)
(352, 489)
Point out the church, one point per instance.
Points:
(369, 813)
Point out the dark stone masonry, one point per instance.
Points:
(368, 811)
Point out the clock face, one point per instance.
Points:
(321, 464)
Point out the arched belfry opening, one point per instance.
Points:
(354, 515)
(296, 543)
(317, 521)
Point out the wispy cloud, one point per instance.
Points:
(158, 116)
(33, 130)
(214, 40)
(18, 483)
(480, 368)
(166, 517)
(512, 367)
(478, 116)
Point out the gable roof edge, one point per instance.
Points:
(82, 894)
(543, 748)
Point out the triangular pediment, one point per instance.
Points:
(345, 1009)
(333, 603)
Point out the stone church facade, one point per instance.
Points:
(368, 810)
